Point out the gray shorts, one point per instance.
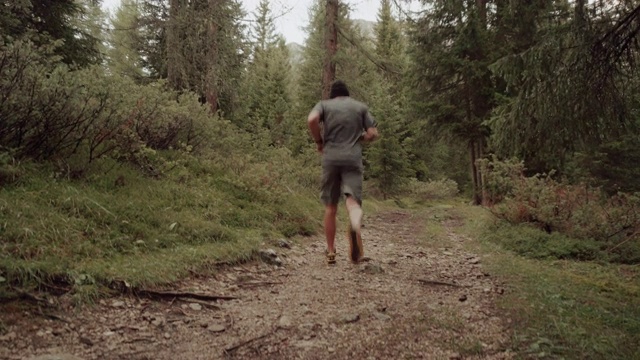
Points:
(338, 180)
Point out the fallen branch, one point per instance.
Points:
(441, 283)
(629, 238)
(376, 62)
(53, 317)
(202, 302)
(260, 283)
(22, 295)
(228, 350)
(178, 294)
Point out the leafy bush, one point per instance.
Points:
(577, 211)
(49, 112)
(528, 241)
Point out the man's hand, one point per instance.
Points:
(370, 135)
(313, 121)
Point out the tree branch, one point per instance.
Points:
(371, 58)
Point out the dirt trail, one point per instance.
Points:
(386, 308)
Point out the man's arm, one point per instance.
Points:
(370, 126)
(313, 122)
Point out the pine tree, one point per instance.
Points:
(153, 28)
(564, 89)
(52, 20)
(451, 81)
(206, 50)
(92, 20)
(264, 29)
(124, 57)
(267, 82)
(388, 158)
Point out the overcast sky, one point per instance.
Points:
(292, 15)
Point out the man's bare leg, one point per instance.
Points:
(355, 212)
(330, 212)
(355, 222)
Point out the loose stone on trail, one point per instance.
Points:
(285, 322)
(270, 256)
(284, 244)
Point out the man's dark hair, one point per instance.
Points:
(338, 88)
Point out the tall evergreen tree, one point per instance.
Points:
(569, 80)
(267, 81)
(388, 158)
(153, 28)
(124, 55)
(451, 80)
(51, 20)
(206, 50)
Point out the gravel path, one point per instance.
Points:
(410, 301)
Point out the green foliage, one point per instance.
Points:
(49, 21)
(532, 242)
(563, 89)
(559, 309)
(53, 113)
(450, 69)
(151, 37)
(422, 191)
(577, 211)
(124, 55)
(117, 224)
(612, 165)
(387, 158)
(266, 86)
(452, 91)
(205, 50)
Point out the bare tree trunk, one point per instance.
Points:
(173, 45)
(474, 173)
(481, 181)
(211, 86)
(331, 46)
(480, 109)
(482, 11)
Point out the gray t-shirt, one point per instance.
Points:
(344, 121)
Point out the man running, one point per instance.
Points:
(345, 124)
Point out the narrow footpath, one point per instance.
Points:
(409, 301)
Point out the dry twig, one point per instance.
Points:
(230, 349)
(440, 283)
(179, 294)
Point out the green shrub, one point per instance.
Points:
(532, 242)
(577, 211)
(50, 112)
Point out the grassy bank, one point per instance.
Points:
(115, 223)
(559, 308)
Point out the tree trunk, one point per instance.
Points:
(481, 182)
(173, 46)
(331, 46)
(482, 11)
(474, 173)
(211, 86)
